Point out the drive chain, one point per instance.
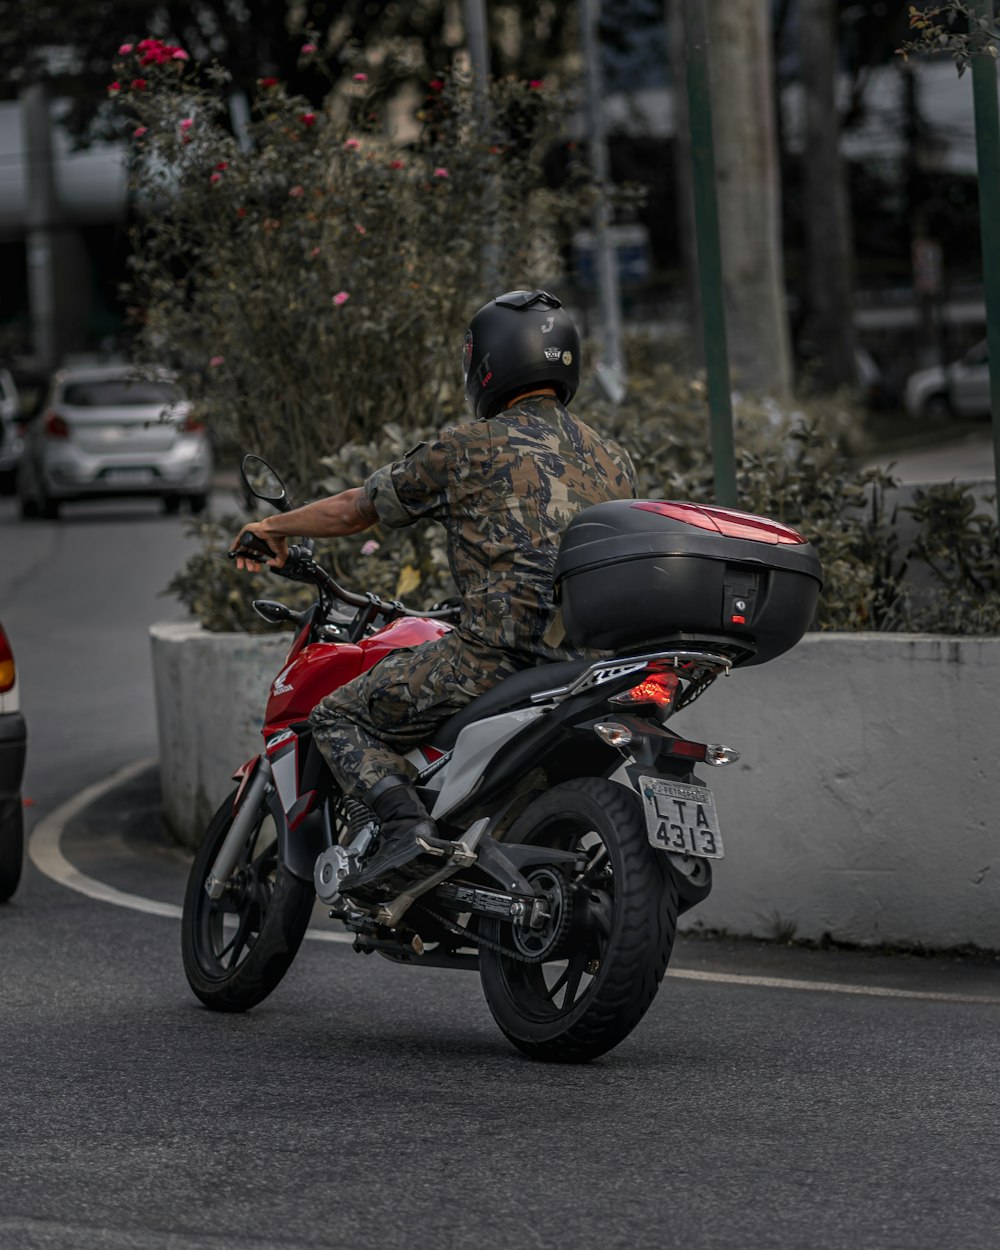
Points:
(458, 931)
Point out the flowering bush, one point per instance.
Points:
(312, 279)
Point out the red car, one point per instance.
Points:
(13, 740)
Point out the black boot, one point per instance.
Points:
(402, 819)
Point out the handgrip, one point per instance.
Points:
(251, 547)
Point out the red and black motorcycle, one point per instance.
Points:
(577, 829)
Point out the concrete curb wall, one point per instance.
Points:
(866, 803)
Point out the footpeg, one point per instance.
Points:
(437, 846)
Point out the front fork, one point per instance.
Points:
(239, 831)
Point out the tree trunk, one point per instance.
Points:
(749, 195)
(829, 297)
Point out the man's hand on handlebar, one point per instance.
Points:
(254, 546)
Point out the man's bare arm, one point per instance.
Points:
(337, 516)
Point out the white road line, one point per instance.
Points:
(45, 850)
(46, 854)
(827, 987)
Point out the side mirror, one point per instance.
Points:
(262, 481)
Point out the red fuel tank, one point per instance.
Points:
(314, 672)
(407, 631)
(323, 667)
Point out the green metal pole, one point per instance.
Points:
(706, 212)
(984, 95)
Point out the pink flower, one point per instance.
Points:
(297, 192)
(307, 49)
(265, 83)
(139, 132)
(536, 84)
(139, 84)
(179, 54)
(114, 88)
(222, 165)
(216, 361)
(360, 228)
(436, 84)
(441, 172)
(307, 119)
(215, 178)
(341, 298)
(148, 43)
(186, 124)
(125, 49)
(314, 253)
(395, 164)
(370, 547)
(360, 77)
(352, 145)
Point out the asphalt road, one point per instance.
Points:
(366, 1103)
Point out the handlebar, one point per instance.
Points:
(301, 567)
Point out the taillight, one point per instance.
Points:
(55, 426)
(658, 688)
(725, 521)
(7, 672)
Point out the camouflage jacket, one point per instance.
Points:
(505, 489)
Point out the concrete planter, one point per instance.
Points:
(864, 805)
(210, 695)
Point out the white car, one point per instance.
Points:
(13, 741)
(10, 434)
(961, 389)
(112, 430)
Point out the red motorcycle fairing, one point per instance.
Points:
(313, 671)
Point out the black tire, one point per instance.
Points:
(171, 504)
(624, 917)
(197, 504)
(937, 407)
(8, 481)
(48, 508)
(29, 509)
(269, 910)
(11, 845)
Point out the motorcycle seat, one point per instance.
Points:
(507, 694)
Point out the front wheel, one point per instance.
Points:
(586, 985)
(237, 948)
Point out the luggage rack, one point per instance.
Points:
(696, 661)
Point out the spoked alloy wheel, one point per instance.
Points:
(604, 950)
(236, 948)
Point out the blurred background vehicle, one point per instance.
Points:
(13, 740)
(112, 431)
(961, 389)
(10, 433)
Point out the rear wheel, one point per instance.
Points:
(171, 504)
(197, 504)
(237, 948)
(11, 845)
(587, 989)
(8, 481)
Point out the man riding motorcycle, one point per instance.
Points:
(504, 486)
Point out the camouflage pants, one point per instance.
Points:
(364, 728)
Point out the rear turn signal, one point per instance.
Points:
(7, 672)
(55, 426)
(658, 688)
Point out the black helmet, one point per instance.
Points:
(517, 342)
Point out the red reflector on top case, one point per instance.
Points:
(725, 521)
(738, 620)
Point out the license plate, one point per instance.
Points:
(681, 818)
(129, 477)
